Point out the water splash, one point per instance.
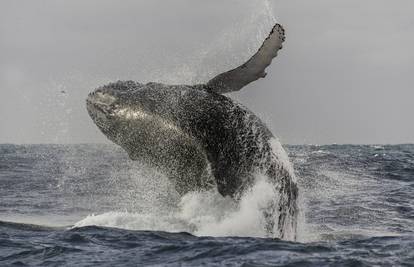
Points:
(200, 213)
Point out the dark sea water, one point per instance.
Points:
(89, 205)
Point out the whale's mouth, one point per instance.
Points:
(101, 107)
(100, 104)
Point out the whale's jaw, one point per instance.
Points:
(100, 106)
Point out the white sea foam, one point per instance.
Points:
(199, 213)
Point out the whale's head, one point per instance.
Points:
(120, 108)
(131, 114)
(103, 104)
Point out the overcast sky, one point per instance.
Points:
(345, 75)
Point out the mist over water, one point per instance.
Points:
(85, 185)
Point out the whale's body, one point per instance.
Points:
(201, 138)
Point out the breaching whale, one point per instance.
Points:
(200, 138)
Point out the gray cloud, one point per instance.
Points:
(344, 75)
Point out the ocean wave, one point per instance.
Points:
(93, 245)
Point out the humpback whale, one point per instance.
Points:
(201, 138)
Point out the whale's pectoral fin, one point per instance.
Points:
(253, 69)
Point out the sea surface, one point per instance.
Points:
(89, 205)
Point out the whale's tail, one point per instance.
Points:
(253, 69)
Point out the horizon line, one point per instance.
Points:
(284, 144)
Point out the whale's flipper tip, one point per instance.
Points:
(253, 69)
